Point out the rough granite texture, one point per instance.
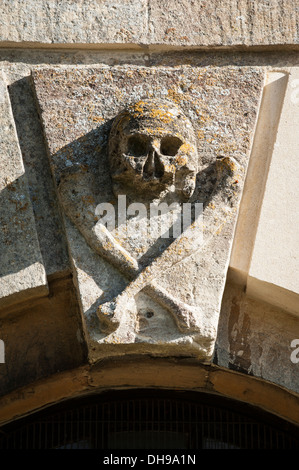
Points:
(77, 106)
(223, 23)
(154, 22)
(68, 22)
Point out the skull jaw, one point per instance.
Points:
(149, 189)
(144, 188)
(132, 179)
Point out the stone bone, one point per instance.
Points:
(187, 317)
(111, 313)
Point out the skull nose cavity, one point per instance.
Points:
(153, 167)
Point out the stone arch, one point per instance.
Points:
(155, 373)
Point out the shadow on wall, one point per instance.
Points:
(47, 218)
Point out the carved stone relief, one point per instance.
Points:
(149, 166)
(152, 151)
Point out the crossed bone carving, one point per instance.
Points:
(152, 147)
(148, 159)
(188, 318)
(111, 313)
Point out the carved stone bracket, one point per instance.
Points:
(149, 166)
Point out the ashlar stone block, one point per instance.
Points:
(83, 22)
(273, 272)
(22, 273)
(226, 23)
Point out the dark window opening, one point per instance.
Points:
(150, 419)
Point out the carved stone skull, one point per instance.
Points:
(152, 151)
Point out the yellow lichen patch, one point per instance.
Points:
(88, 199)
(96, 118)
(143, 73)
(108, 75)
(226, 148)
(141, 107)
(181, 160)
(211, 81)
(107, 246)
(162, 115)
(113, 340)
(227, 163)
(219, 230)
(169, 30)
(130, 73)
(160, 132)
(170, 168)
(117, 239)
(119, 94)
(174, 96)
(187, 148)
(156, 131)
(201, 134)
(203, 117)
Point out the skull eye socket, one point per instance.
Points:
(137, 145)
(170, 145)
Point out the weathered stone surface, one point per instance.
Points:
(177, 313)
(41, 189)
(80, 22)
(22, 273)
(152, 151)
(255, 338)
(41, 337)
(225, 23)
(171, 22)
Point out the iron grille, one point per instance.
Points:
(155, 421)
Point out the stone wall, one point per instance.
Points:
(67, 69)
